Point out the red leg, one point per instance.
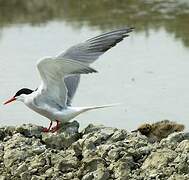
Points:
(50, 126)
(47, 129)
(56, 128)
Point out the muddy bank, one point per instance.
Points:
(97, 152)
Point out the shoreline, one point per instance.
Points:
(97, 152)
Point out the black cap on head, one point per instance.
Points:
(23, 91)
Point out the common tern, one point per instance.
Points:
(60, 78)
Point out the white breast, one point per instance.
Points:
(47, 108)
(44, 109)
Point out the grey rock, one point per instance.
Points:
(177, 137)
(1, 152)
(99, 174)
(25, 176)
(183, 146)
(49, 172)
(29, 130)
(97, 153)
(94, 168)
(67, 164)
(2, 134)
(6, 132)
(37, 178)
(159, 159)
(38, 161)
(179, 177)
(3, 177)
(21, 168)
(119, 135)
(67, 135)
(11, 156)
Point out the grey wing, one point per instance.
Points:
(71, 84)
(89, 51)
(52, 71)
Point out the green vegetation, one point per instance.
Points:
(172, 15)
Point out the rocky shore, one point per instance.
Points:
(97, 152)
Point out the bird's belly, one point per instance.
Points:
(54, 114)
(66, 114)
(47, 112)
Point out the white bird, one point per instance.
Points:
(60, 78)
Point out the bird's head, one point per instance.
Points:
(20, 95)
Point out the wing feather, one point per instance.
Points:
(89, 51)
(53, 71)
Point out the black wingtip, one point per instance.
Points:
(130, 29)
(123, 30)
(126, 29)
(88, 70)
(93, 70)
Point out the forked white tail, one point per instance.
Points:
(84, 109)
(72, 112)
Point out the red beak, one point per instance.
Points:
(10, 100)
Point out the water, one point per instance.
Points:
(147, 72)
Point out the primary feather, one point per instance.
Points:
(89, 51)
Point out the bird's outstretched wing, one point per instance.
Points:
(52, 72)
(88, 51)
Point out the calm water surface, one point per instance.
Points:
(148, 73)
